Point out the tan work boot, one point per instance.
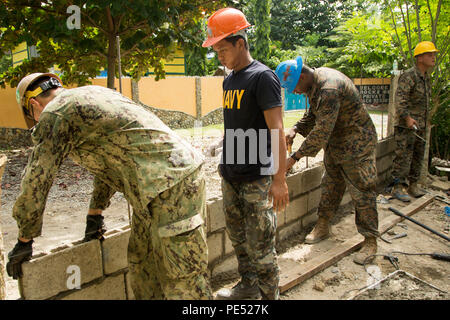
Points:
(415, 191)
(369, 248)
(320, 232)
(399, 192)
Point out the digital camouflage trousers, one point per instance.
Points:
(360, 176)
(251, 226)
(167, 252)
(409, 153)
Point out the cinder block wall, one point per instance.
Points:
(100, 269)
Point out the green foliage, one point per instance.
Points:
(149, 32)
(425, 20)
(440, 133)
(261, 48)
(295, 20)
(195, 54)
(363, 47)
(5, 62)
(312, 53)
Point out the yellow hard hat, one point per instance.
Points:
(424, 47)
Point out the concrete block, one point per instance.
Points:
(314, 199)
(312, 177)
(385, 147)
(281, 217)
(310, 219)
(114, 251)
(230, 264)
(289, 230)
(216, 217)
(47, 276)
(294, 183)
(297, 208)
(228, 246)
(111, 288)
(215, 246)
(384, 163)
(129, 289)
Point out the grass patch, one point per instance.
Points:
(289, 119)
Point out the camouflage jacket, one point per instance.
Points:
(337, 120)
(412, 97)
(125, 146)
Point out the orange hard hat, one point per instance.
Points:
(223, 23)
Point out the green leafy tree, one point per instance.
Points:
(195, 54)
(5, 62)
(414, 21)
(294, 20)
(149, 32)
(364, 46)
(262, 30)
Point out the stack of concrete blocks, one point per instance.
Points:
(385, 156)
(2, 261)
(102, 270)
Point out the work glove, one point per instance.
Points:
(21, 252)
(95, 228)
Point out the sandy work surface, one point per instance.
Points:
(345, 279)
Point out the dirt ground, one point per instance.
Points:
(345, 279)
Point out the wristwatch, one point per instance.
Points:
(293, 156)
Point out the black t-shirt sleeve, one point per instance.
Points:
(268, 91)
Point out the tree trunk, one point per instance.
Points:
(112, 57)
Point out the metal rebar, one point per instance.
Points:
(418, 223)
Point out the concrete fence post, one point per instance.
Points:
(198, 97)
(135, 90)
(2, 262)
(391, 106)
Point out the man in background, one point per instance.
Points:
(412, 104)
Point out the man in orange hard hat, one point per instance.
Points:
(412, 104)
(253, 184)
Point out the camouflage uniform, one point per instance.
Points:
(251, 227)
(412, 99)
(129, 150)
(338, 122)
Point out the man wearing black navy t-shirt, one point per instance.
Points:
(254, 184)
